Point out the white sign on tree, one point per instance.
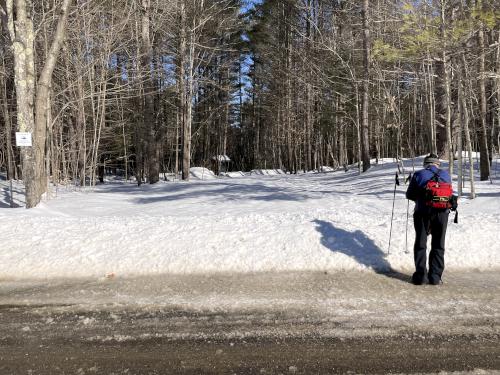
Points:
(23, 139)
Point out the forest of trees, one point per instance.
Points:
(148, 87)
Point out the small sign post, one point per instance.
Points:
(23, 139)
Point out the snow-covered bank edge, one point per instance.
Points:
(325, 222)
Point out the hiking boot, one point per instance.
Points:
(436, 282)
(417, 280)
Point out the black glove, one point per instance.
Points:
(454, 202)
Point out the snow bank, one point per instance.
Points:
(234, 174)
(465, 154)
(201, 173)
(325, 168)
(318, 222)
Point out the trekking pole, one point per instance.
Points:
(396, 182)
(407, 215)
(406, 236)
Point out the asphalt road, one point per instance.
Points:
(294, 323)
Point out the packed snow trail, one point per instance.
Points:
(310, 222)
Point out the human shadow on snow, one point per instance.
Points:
(358, 246)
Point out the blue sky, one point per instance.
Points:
(248, 4)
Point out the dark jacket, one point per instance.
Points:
(416, 189)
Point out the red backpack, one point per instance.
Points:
(438, 193)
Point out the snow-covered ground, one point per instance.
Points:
(244, 223)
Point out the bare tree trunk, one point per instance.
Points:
(484, 161)
(497, 86)
(188, 97)
(365, 140)
(181, 79)
(309, 126)
(358, 130)
(288, 111)
(101, 118)
(440, 106)
(309, 90)
(8, 134)
(465, 123)
(178, 125)
(42, 103)
(49, 152)
(81, 133)
(432, 119)
(22, 38)
(447, 93)
(62, 153)
(256, 128)
(449, 138)
(459, 140)
(151, 147)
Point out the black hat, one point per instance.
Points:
(431, 159)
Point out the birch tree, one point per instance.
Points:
(32, 101)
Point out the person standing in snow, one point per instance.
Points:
(430, 218)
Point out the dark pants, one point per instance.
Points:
(434, 224)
